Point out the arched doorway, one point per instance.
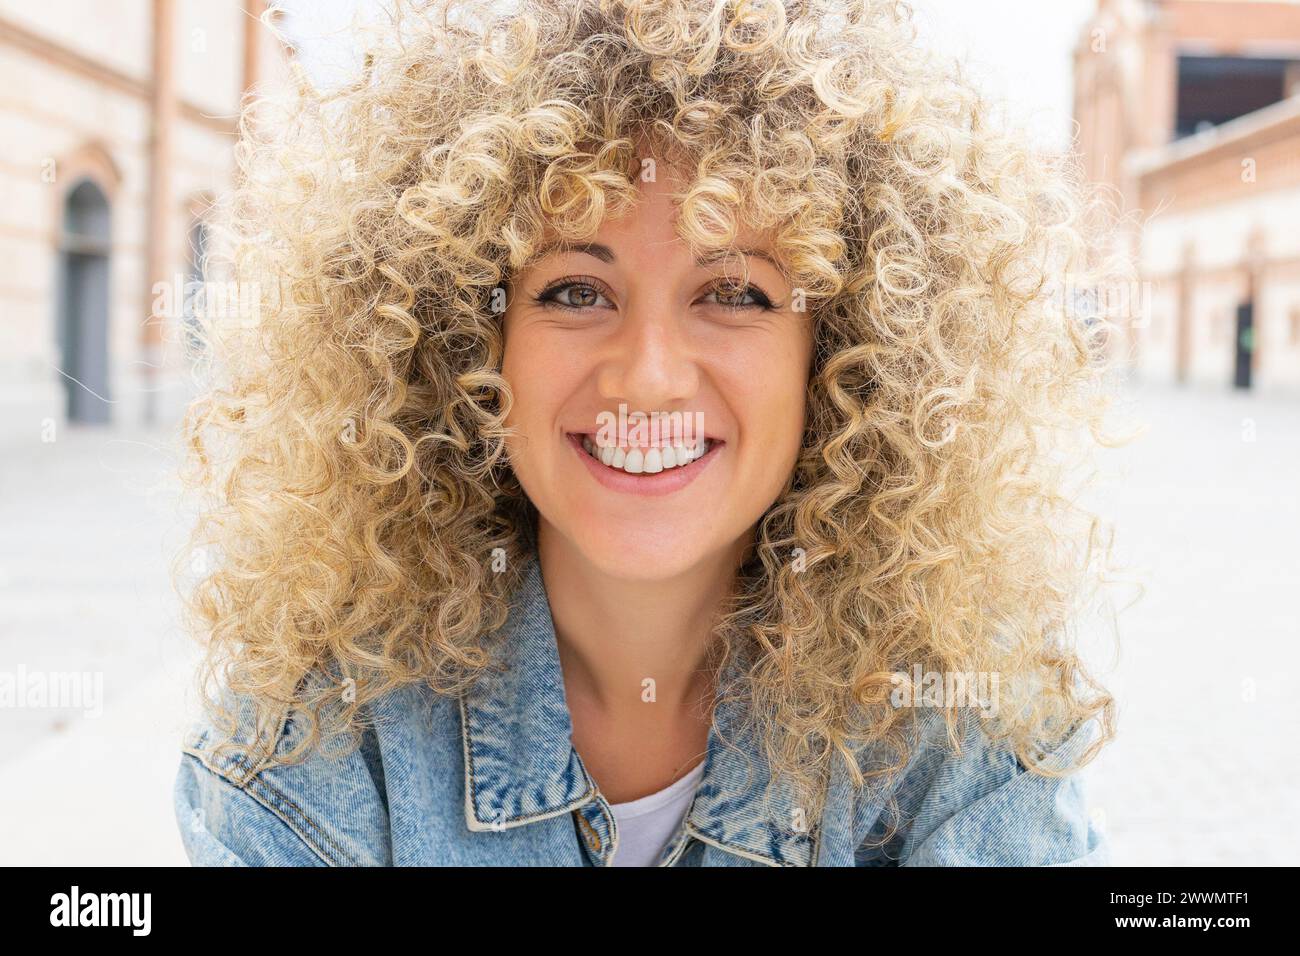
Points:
(83, 303)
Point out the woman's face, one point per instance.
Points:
(633, 320)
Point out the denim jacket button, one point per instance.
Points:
(589, 834)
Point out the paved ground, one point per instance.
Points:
(90, 523)
(1204, 770)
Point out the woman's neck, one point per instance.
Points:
(614, 634)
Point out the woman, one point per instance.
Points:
(647, 453)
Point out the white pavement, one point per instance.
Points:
(1205, 769)
(90, 523)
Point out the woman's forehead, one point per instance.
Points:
(628, 231)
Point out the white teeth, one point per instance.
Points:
(650, 461)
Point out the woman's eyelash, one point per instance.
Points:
(548, 294)
(761, 299)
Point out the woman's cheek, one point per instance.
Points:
(525, 370)
(782, 422)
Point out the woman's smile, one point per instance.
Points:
(649, 470)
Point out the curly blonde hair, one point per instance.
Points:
(353, 438)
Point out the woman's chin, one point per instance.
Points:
(644, 556)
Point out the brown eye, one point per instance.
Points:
(580, 295)
(585, 293)
(731, 295)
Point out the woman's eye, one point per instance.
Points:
(580, 295)
(583, 295)
(732, 296)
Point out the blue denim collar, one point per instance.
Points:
(521, 766)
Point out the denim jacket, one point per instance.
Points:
(491, 778)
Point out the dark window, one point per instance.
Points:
(82, 325)
(1215, 89)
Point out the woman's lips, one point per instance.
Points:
(660, 483)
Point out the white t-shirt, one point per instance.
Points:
(646, 825)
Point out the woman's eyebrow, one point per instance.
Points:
(605, 254)
(600, 251)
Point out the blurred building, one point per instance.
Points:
(1190, 110)
(118, 119)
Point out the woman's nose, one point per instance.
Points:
(649, 364)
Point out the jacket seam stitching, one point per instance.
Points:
(746, 854)
(343, 857)
(471, 788)
(268, 798)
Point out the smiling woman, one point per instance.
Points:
(644, 395)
